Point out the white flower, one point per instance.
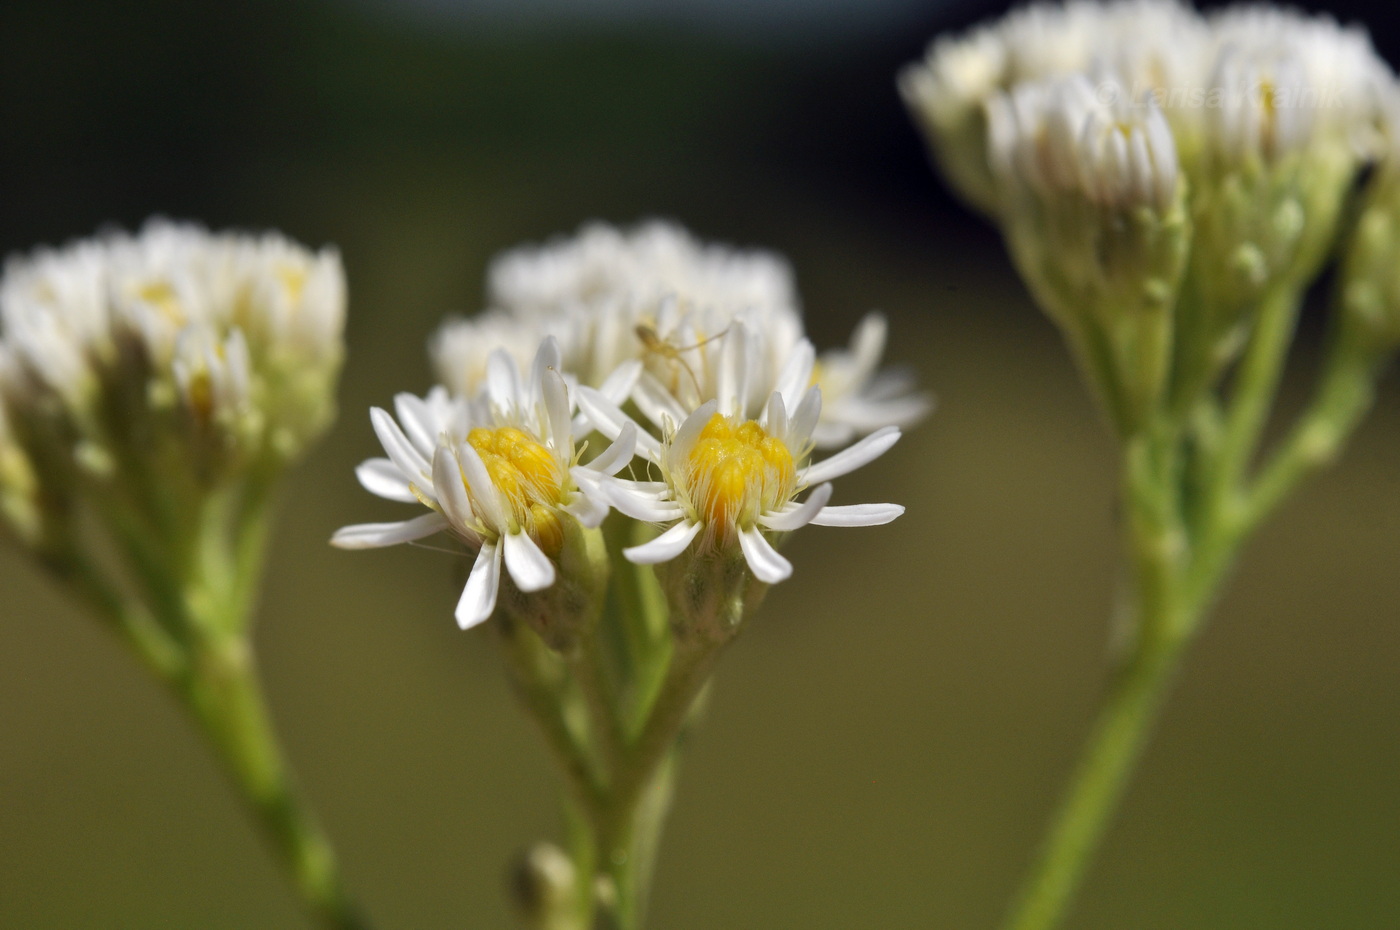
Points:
(610, 296)
(657, 299)
(858, 397)
(1064, 135)
(499, 471)
(217, 322)
(1285, 80)
(727, 479)
(1149, 47)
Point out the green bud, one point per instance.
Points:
(1094, 213)
(542, 884)
(1370, 282)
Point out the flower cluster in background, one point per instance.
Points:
(174, 359)
(1158, 172)
(689, 358)
(1170, 185)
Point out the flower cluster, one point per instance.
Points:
(1157, 172)
(174, 359)
(690, 359)
(1242, 83)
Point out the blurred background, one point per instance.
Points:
(884, 744)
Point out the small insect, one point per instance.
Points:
(654, 344)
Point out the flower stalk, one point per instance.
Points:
(153, 389)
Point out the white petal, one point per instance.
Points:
(382, 478)
(796, 375)
(410, 461)
(417, 421)
(487, 499)
(375, 535)
(689, 432)
(450, 491)
(797, 517)
(479, 597)
(503, 380)
(639, 504)
(664, 547)
(763, 559)
(868, 343)
(546, 358)
(858, 515)
(614, 457)
(588, 509)
(804, 418)
(556, 406)
(775, 421)
(609, 420)
(732, 391)
(862, 453)
(619, 384)
(656, 402)
(530, 568)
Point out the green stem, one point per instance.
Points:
(540, 689)
(1119, 734)
(222, 691)
(1165, 616)
(1253, 396)
(1346, 394)
(623, 848)
(588, 664)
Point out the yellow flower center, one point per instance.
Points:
(737, 471)
(293, 278)
(527, 475)
(161, 295)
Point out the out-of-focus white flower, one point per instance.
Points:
(727, 479)
(241, 331)
(659, 300)
(1064, 136)
(604, 292)
(499, 471)
(1285, 81)
(1149, 47)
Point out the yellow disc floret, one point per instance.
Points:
(736, 471)
(528, 476)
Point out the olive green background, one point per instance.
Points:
(885, 742)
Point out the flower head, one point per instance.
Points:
(726, 478)
(499, 471)
(610, 296)
(1064, 136)
(227, 344)
(1146, 46)
(1286, 82)
(650, 312)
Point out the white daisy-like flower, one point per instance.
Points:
(727, 479)
(499, 471)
